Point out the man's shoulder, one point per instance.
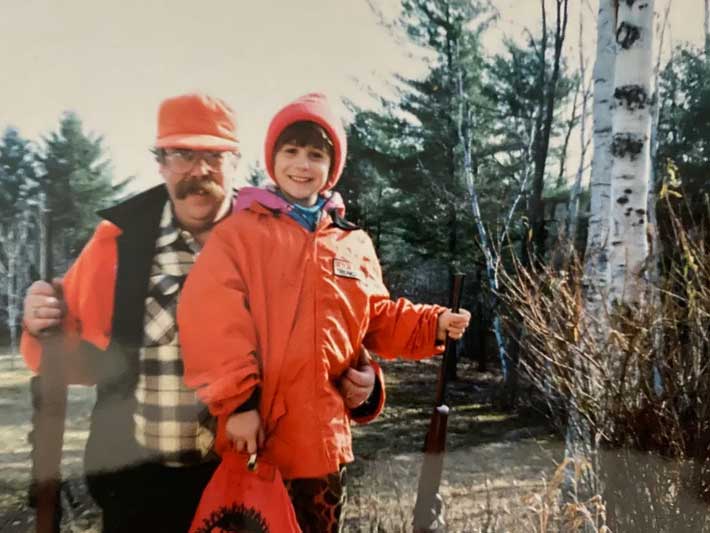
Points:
(106, 230)
(136, 209)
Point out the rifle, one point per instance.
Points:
(428, 511)
(49, 404)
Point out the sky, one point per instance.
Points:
(113, 62)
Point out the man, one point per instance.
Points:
(149, 456)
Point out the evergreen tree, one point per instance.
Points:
(257, 175)
(404, 181)
(403, 178)
(18, 176)
(76, 176)
(513, 89)
(17, 195)
(684, 129)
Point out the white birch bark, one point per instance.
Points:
(13, 242)
(581, 437)
(464, 133)
(631, 155)
(596, 269)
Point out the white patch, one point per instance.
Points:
(345, 269)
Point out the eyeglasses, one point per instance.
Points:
(183, 160)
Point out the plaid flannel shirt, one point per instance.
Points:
(170, 420)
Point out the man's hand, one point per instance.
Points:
(44, 306)
(356, 384)
(245, 431)
(452, 324)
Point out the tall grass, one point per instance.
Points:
(642, 387)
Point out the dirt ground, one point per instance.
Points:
(494, 459)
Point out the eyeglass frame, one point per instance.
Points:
(162, 157)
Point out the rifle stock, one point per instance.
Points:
(428, 510)
(49, 402)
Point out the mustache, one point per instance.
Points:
(196, 184)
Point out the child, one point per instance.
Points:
(279, 303)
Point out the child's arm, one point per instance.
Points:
(402, 328)
(217, 333)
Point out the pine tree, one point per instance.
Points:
(17, 192)
(77, 178)
(256, 175)
(18, 176)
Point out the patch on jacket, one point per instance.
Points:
(345, 269)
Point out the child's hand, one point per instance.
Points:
(453, 324)
(356, 384)
(244, 429)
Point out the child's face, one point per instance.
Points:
(301, 172)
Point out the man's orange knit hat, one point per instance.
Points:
(198, 122)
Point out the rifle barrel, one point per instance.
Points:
(49, 400)
(450, 346)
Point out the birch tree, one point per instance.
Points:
(631, 157)
(464, 129)
(18, 184)
(15, 257)
(596, 259)
(580, 438)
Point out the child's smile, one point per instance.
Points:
(301, 172)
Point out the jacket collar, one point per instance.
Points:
(269, 199)
(131, 212)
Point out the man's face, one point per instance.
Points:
(196, 181)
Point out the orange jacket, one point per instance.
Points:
(88, 289)
(272, 305)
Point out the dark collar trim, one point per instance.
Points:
(341, 222)
(131, 212)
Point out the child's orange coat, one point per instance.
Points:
(272, 305)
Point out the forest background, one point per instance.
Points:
(480, 139)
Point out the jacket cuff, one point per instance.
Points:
(251, 403)
(375, 403)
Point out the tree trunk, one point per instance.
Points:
(464, 128)
(573, 206)
(631, 170)
(596, 265)
(706, 28)
(580, 441)
(13, 241)
(452, 51)
(570, 125)
(542, 146)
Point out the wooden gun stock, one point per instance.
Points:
(428, 510)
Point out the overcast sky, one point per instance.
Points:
(114, 61)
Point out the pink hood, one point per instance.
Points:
(269, 199)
